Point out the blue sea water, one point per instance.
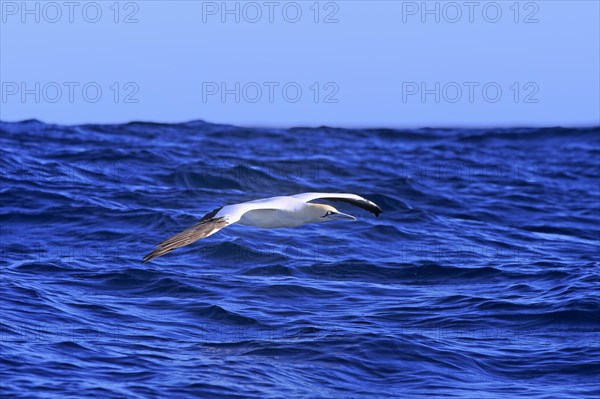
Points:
(479, 279)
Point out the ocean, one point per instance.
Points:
(480, 279)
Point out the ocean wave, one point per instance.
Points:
(479, 277)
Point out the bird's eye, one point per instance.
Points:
(328, 213)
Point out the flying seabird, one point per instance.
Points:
(267, 213)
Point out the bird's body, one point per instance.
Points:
(271, 219)
(268, 213)
(272, 213)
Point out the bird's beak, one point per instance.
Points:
(341, 216)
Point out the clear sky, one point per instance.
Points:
(272, 63)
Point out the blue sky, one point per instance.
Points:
(344, 63)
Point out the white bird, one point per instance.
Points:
(268, 213)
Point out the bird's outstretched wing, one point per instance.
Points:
(353, 199)
(200, 230)
(208, 225)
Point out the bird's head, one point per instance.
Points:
(324, 213)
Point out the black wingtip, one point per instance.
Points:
(377, 212)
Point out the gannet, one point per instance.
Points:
(267, 213)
